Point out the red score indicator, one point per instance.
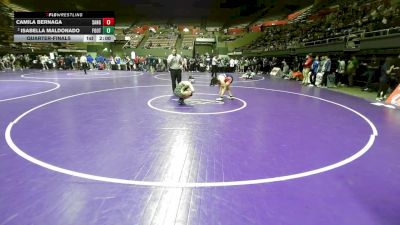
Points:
(108, 21)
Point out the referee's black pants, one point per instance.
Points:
(84, 67)
(176, 77)
(214, 70)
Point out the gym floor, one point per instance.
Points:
(114, 147)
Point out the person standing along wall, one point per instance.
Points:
(306, 69)
(326, 69)
(386, 70)
(351, 69)
(314, 71)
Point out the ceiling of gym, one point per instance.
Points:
(202, 12)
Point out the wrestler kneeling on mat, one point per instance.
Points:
(224, 81)
(183, 91)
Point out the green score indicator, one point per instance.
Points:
(108, 30)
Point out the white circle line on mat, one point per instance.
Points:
(193, 113)
(87, 77)
(343, 162)
(33, 94)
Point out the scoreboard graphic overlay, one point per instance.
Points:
(64, 26)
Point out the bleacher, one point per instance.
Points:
(6, 32)
(6, 36)
(361, 19)
(303, 15)
(166, 41)
(188, 41)
(134, 40)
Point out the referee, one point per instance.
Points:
(83, 61)
(214, 68)
(175, 67)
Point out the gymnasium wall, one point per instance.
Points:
(203, 49)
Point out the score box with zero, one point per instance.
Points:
(108, 21)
